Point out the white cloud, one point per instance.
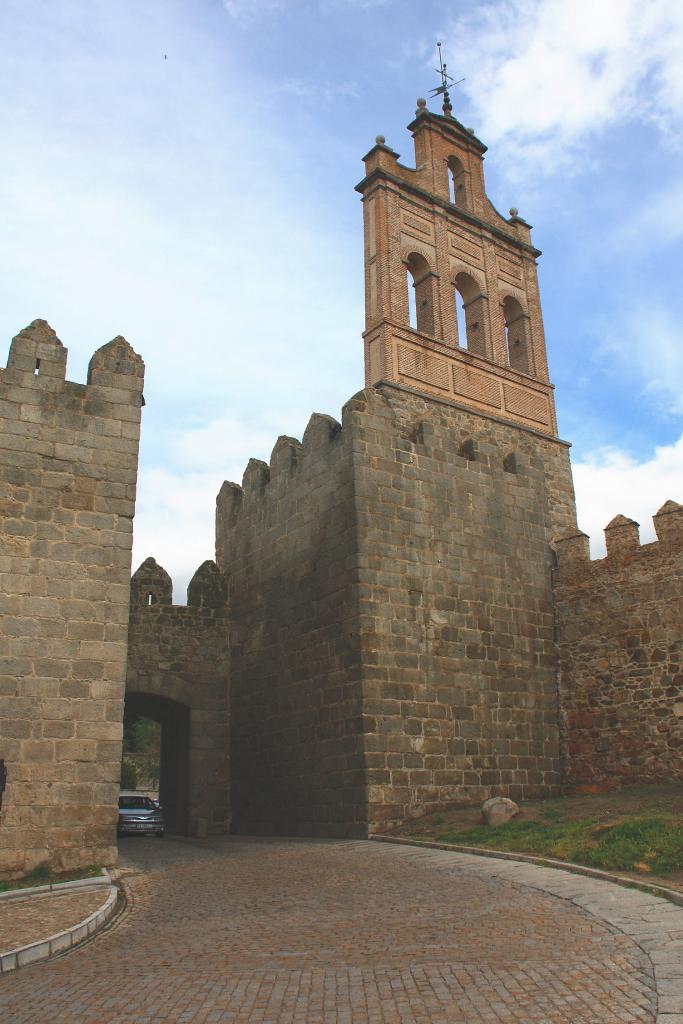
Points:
(174, 522)
(223, 442)
(610, 481)
(544, 75)
(174, 519)
(656, 220)
(647, 341)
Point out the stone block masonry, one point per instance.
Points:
(620, 631)
(454, 514)
(392, 613)
(178, 674)
(287, 540)
(68, 469)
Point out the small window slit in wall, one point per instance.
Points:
(151, 599)
(467, 450)
(37, 368)
(510, 463)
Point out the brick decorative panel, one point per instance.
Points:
(418, 227)
(477, 386)
(423, 367)
(371, 229)
(510, 269)
(466, 248)
(526, 403)
(375, 368)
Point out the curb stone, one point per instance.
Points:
(652, 919)
(672, 895)
(41, 890)
(70, 937)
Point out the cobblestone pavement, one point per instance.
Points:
(324, 932)
(30, 920)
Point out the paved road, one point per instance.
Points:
(33, 919)
(325, 932)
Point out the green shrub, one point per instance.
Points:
(129, 774)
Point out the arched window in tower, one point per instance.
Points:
(420, 285)
(470, 309)
(456, 183)
(516, 335)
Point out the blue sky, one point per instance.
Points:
(182, 173)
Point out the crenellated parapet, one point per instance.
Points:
(619, 622)
(151, 585)
(294, 467)
(151, 588)
(37, 360)
(51, 423)
(622, 541)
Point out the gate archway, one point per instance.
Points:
(174, 765)
(178, 676)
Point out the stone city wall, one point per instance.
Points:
(178, 674)
(68, 468)
(620, 631)
(392, 609)
(287, 540)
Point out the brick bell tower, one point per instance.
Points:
(462, 484)
(432, 230)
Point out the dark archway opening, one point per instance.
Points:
(174, 719)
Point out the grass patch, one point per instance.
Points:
(43, 876)
(649, 844)
(633, 829)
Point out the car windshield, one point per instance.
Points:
(136, 803)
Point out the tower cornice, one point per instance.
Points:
(380, 174)
(450, 127)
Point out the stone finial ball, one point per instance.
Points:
(380, 140)
(471, 131)
(513, 211)
(421, 102)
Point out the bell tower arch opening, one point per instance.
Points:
(470, 305)
(516, 334)
(457, 183)
(422, 307)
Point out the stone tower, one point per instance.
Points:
(68, 470)
(390, 577)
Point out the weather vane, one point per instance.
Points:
(446, 82)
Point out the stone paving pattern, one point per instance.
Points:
(37, 918)
(334, 932)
